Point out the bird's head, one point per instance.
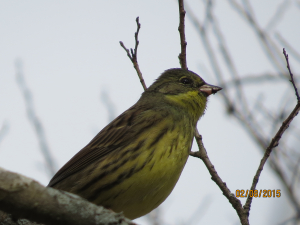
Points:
(184, 88)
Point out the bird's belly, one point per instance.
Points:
(155, 173)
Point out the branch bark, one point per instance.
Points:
(25, 198)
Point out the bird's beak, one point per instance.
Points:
(209, 89)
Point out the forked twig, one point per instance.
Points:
(133, 54)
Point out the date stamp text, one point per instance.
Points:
(258, 193)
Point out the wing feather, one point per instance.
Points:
(110, 138)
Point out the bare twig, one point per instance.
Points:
(133, 54)
(182, 55)
(287, 46)
(292, 76)
(35, 121)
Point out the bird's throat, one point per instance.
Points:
(191, 101)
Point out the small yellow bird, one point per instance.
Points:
(133, 164)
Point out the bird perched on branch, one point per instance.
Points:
(133, 164)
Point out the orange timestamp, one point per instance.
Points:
(257, 194)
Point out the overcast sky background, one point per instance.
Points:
(70, 52)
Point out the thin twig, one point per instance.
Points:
(291, 74)
(287, 46)
(133, 54)
(182, 55)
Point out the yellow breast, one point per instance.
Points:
(151, 173)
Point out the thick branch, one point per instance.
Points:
(27, 199)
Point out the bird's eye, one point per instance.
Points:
(186, 80)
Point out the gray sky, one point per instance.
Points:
(71, 53)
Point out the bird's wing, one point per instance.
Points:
(106, 141)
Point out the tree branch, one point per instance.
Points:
(27, 199)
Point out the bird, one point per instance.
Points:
(133, 164)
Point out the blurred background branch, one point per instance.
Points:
(4, 130)
(34, 120)
(109, 105)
